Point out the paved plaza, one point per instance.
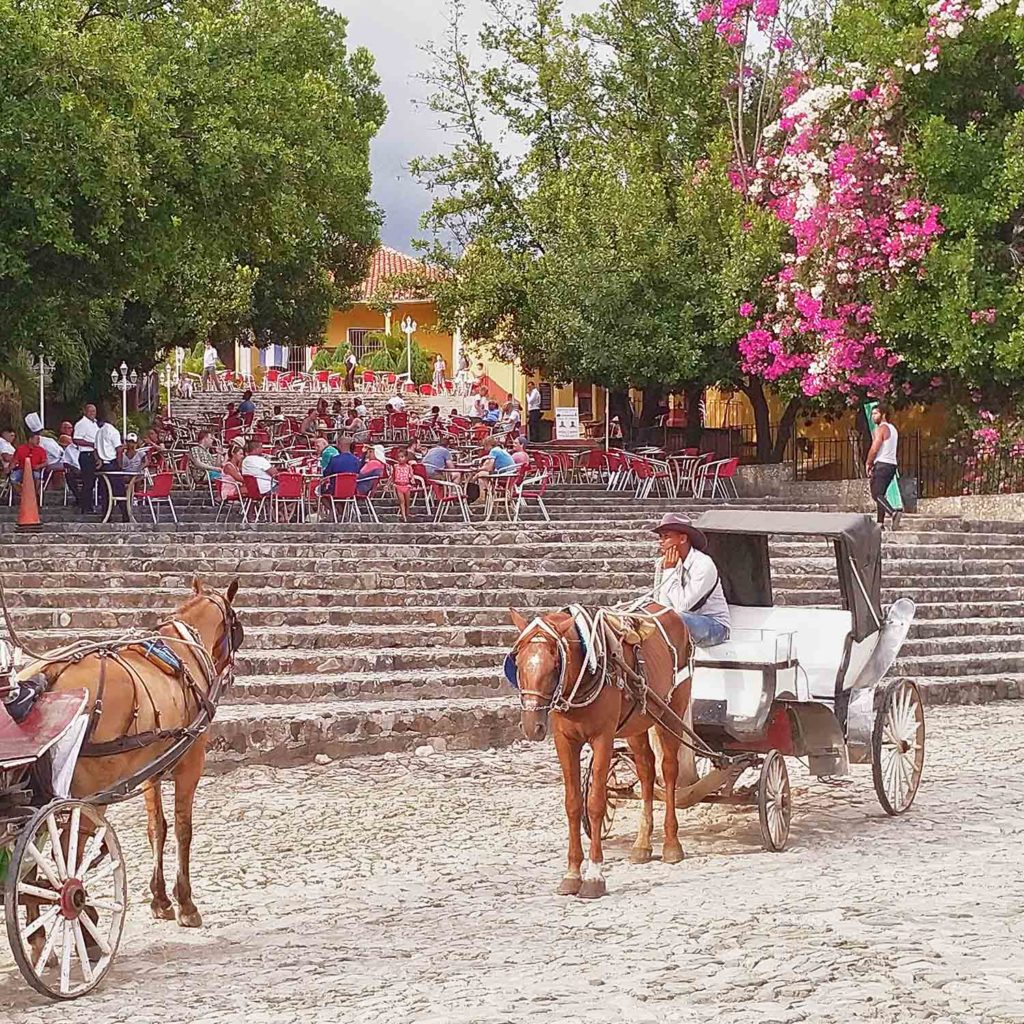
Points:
(406, 889)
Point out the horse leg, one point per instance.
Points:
(597, 805)
(643, 758)
(671, 850)
(157, 831)
(569, 759)
(186, 779)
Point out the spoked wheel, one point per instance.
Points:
(65, 899)
(615, 783)
(897, 747)
(774, 805)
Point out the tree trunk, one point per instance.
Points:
(762, 419)
(653, 394)
(785, 430)
(694, 427)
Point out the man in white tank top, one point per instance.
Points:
(881, 464)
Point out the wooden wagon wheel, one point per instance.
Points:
(774, 805)
(65, 899)
(897, 747)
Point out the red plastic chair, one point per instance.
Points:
(397, 427)
(377, 428)
(649, 476)
(449, 494)
(392, 381)
(533, 489)
(158, 494)
(341, 490)
(618, 470)
(228, 499)
(720, 475)
(422, 485)
(270, 382)
(254, 501)
(322, 378)
(291, 491)
(369, 380)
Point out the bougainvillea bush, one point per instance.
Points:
(897, 168)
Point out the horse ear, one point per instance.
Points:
(232, 590)
(197, 585)
(517, 620)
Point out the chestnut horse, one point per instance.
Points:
(583, 702)
(132, 699)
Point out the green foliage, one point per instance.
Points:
(392, 356)
(175, 172)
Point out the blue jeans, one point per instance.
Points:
(704, 630)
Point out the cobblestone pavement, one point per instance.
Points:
(420, 890)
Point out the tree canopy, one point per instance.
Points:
(175, 171)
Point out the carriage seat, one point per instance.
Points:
(775, 637)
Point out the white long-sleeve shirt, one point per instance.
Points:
(683, 586)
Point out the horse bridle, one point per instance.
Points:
(541, 631)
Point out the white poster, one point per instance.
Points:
(567, 423)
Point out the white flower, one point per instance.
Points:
(953, 29)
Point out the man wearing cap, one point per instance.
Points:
(686, 580)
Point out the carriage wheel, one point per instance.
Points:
(610, 805)
(774, 805)
(897, 747)
(65, 899)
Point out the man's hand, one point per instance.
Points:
(670, 559)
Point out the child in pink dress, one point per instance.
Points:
(402, 477)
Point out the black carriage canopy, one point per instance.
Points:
(738, 542)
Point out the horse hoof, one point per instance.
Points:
(162, 911)
(593, 889)
(570, 886)
(671, 854)
(639, 855)
(190, 918)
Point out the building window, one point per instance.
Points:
(546, 397)
(297, 359)
(584, 399)
(360, 343)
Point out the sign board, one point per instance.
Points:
(567, 423)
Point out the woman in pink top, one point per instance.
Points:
(231, 475)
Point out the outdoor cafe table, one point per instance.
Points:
(126, 498)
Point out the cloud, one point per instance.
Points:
(395, 32)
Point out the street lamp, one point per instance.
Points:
(409, 328)
(46, 367)
(124, 384)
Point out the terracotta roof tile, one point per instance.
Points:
(386, 263)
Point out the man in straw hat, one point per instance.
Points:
(686, 580)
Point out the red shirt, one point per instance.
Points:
(37, 453)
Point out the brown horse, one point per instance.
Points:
(137, 699)
(582, 705)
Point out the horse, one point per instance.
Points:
(137, 711)
(585, 699)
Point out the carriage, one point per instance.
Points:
(65, 888)
(794, 680)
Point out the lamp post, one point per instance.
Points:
(409, 328)
(168, 383)
(46, 367)
(124, 384)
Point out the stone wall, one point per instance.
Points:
(1004, 507)
(776, 481)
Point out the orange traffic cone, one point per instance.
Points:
(28, 510)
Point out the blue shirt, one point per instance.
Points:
(502, 460)
(247, 407)
(437, 458)
(491, 416)
(343, 462)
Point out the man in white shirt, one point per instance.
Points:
(396, 403)
(687, 581)
(84, 438)
(478, 407)
(54, 452)
(108, 450)
(6, 448)
(533, 411)
(256, 464)
(210, 367)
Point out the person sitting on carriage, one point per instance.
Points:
(687, 581)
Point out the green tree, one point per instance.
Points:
(178, 171)
(606, 245)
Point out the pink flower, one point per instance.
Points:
(747, 309)
(858, 95)
(705, 14)
(783, 43)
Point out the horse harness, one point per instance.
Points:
(157, 647)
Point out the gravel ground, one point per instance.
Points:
(421, 890)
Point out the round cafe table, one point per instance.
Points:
(112, 498)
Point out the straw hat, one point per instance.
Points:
(672, 523)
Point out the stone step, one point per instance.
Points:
(959, 643)
(946, 611)
(409, 683)
(996, 663)
(285, 734)
(977, 626)
(376, 662)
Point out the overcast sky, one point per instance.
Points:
(395, 31)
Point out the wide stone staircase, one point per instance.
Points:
(366, 638)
